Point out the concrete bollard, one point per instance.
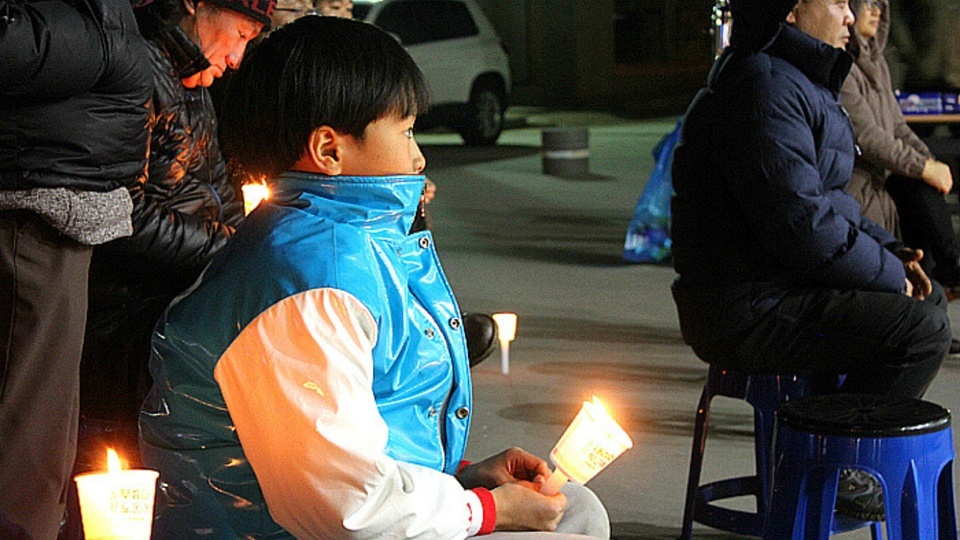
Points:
(566, 152)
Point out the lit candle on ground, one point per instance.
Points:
(589, 444)
(117, 503)
(253, 193)
(506, 331)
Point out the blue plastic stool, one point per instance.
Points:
(907, 444)
(765, 393)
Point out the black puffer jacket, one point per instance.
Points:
(187, 209)
(62, 113)
(183, 214)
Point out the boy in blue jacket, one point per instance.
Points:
(314, 382)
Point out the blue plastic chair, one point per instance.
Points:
(906, 444)
(764, 392)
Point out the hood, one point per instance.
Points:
(756, 22)
(872, 48)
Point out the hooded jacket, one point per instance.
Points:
(887, 143)
(315, 380)
(759, 207)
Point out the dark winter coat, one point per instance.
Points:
(765, 153)
(62, 112)
(183, 214)
(187, 208)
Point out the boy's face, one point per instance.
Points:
(826, 20)
(387, 148)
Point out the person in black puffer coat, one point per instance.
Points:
(184, 212)
(73, 135)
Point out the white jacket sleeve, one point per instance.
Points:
(298, 384)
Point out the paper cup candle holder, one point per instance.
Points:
(117, 503)
(589, 444)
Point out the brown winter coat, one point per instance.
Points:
(887, 143)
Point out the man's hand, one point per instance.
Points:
(520, 508)
(429, 190)
(918, 284)
(938, 175)
(508, 466)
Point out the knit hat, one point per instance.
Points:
(258, 10)
(755, 22)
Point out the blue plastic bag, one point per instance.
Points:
(648, 235)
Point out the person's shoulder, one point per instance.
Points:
(764, 79)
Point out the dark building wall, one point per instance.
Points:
(648, 56)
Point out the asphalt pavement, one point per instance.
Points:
(513, 239)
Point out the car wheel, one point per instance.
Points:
(483, 120)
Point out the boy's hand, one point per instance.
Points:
(511, 465)
(520, 508)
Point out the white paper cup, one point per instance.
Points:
(116, 505)
(589, 444)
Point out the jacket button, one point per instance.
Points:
(431, 412)
(462, 413)
(429, 333)
(424, 242)
(455, 323)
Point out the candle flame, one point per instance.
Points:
(598, 403)
(506, 326)
(113, 461)
(253, 194)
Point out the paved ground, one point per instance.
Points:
(548, 249)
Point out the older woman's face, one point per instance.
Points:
(290, 10)
(868, 18)
(336, 8)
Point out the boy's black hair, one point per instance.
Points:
(312, 72)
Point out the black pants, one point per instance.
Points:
(43, 304)
(885, 343)
(926, 223)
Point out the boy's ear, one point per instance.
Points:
(324, 150)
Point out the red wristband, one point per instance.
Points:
(463, 465)
(489, 510)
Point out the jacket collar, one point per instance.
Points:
(378, 204)
(824, 65)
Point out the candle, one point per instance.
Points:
(589, 444)
(117, 503)
(506, 331)
(253, 193)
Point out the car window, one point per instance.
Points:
(360, 10)
(427, 20)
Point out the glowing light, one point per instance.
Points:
(589, 444)
(253, 194)
(117, 503)
(506, 332)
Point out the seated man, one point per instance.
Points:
(778, 271)
(314, 382)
